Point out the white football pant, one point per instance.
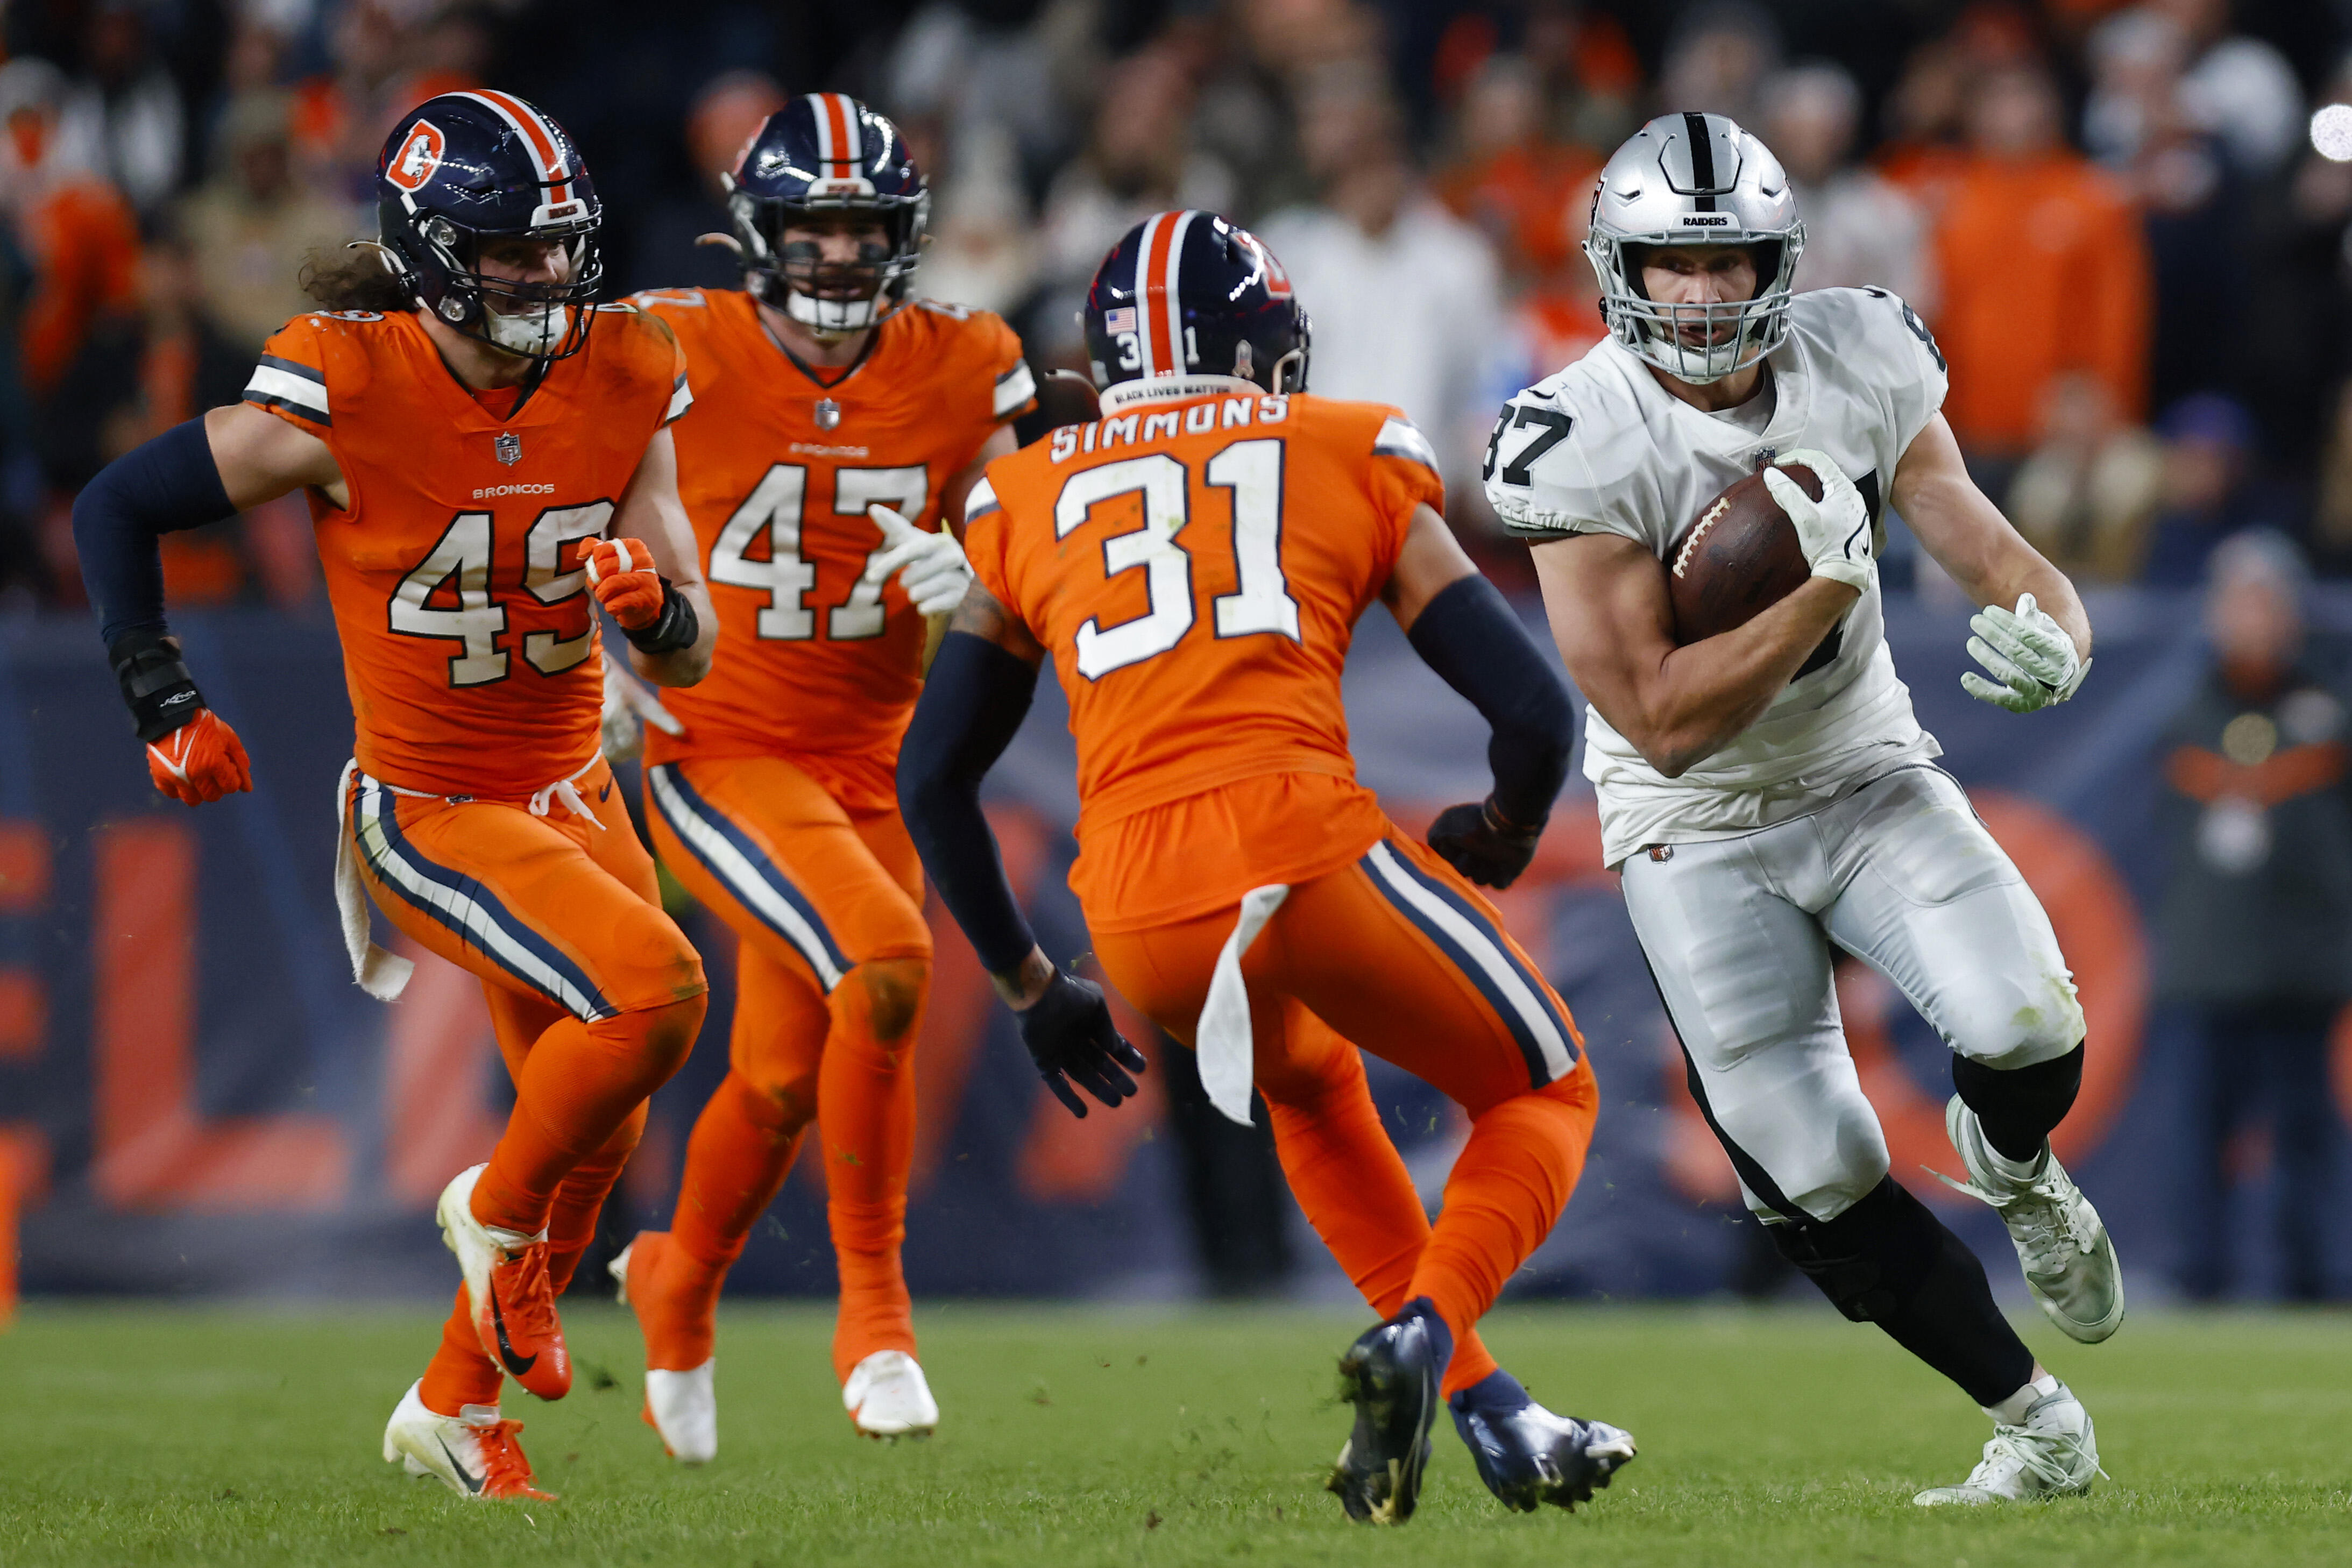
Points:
(1738, 931)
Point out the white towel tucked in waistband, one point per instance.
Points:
(380, 973)
(1227, 1052)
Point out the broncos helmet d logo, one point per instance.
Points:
(420, 155)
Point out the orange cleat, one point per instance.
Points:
(509, 1291)
(476, 1453)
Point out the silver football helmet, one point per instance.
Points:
(1694, 179)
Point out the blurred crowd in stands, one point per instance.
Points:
(2128, 222)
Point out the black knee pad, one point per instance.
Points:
(1871, 1260)
(2018, 1106)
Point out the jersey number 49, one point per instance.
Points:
(461, 560)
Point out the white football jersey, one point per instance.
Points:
(1602, 447)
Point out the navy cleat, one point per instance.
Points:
(1527, 1456)
(1390, 1375)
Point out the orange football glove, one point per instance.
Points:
(621, 576)
(200, 761)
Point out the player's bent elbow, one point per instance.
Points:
(1675, 752)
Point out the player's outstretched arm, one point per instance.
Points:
(659, 601)
(974, 701)
(1606, 597)
(2038, 652)
(1465, 630)
(194, 473)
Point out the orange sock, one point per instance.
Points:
(577, 1086)
(580, 1198)
(460, 1374)
(1353, 1184)
(1505, 1194)
(865, 1122)
(736, 1161)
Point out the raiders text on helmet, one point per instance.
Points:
(1189, 293)
(1694, 179)
(819, 155)
(468, 168)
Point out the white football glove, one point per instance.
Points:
(936, 572)
(1835, 532)
(630, 705)
(2033, 662)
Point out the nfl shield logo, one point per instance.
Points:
(828, 413)
(508, 447)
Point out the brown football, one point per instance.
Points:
(1739, 558)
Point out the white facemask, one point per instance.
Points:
(832, 318)
(533, 332)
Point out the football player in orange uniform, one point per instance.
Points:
(1195, 560)
(483, 449)
(837, 426)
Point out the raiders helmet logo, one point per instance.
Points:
(419, 156)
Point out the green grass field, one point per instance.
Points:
(1143, 1436)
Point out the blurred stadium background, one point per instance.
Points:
(2129, 224)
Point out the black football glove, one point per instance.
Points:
(1070, 1035)
(1476, 841)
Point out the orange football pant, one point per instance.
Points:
(595, 994)
(833, 969)
(1397, 954)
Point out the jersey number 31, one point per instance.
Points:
(1252, 470)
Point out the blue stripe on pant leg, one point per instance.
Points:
(1505, 1008)
(677, 798)
(472, 911)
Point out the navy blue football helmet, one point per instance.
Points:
(1188, 293)
(824, 154)
(467, 168)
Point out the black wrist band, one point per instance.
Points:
(675, 627)
(156, 686)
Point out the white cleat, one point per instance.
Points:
(2053, 1453)
(683, 1407)
(2068, 1260)
(474, 1454)
(619, 1269)
(888, 1397)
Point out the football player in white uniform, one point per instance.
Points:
(1767, 794)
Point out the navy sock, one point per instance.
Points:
(1498, 1390)
(1439, 1334)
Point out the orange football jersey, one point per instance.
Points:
(455, 576)
(777, 470)
(1195, 567)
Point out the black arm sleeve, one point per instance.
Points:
(1469, 635)
(167, 484)
(974, 701)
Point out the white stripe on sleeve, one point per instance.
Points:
(1399, 438)
(1014, 388)
(981, 501)
(300, 393)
